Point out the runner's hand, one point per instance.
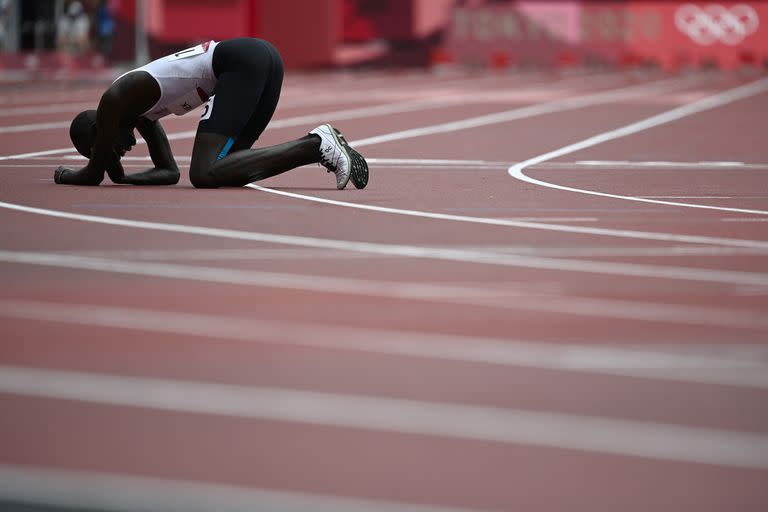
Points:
(66, 176)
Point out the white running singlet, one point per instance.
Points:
(185, 78)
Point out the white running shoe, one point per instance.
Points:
(333, 154)
(359, 174)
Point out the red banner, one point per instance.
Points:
(670, 33)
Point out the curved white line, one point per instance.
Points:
(538, 110)
(622, 233)
(745, 91)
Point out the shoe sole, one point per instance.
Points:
(345, 149)
(359, 172)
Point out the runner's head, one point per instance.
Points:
(82, 132)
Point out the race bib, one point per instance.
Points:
(190, 52)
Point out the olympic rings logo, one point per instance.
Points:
(716, 23)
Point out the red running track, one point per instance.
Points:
(452, 337)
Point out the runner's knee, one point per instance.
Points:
(201, 175)
(204, 158)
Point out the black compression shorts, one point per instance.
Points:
(249, 76)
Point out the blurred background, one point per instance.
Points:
(66, 36)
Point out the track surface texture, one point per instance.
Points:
(551, 296)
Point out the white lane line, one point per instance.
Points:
(22, 156)
(621, 166)
(486, 120)
(648, 312)
(407, 106)
(322, 92)
(555, 106)
(562, 228)
(339, 115)
(415, 105)
(632, 252)
(297, 253)
(762, 219)
(486, 296)
(45, 98)
(218, 254)
(293, 96)
(662, 164)
(315, 283)
(356, 113)
(427, 162)
(686, 364)
(46, 109)
(652, 440)
(468, 256)
(402, 162)
(445, 164)
(58, 125)
(704, 197)
(711, 102)
(521, 87)
(446, 97)
(35, 127)
(553, 219)
(472, 164)
(81, 490)
(42, 166)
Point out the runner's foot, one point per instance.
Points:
(359, 172)
(334, 155)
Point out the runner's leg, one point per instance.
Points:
(248, 165)
(244, 100)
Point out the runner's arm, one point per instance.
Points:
(165, 170)
(103, 153)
